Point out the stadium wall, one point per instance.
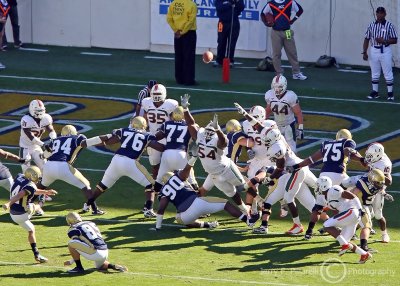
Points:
(141, 25)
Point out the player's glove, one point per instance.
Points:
(48, 147)
(185, 101)
(388, 197)
(214, 122)
(240, 109)
(251, 154)
(300, 134)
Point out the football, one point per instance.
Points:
(269, 19)
(208, 57)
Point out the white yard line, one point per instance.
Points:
(96, 54)
(34, 50)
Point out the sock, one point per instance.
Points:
(93, 205)
(360, 251)
(375, 87)
(254, 209)
(384, 231)
(264, 223)
(243, 217)
(341, 240)
(34, 249)
(78, 264)
(390, 88)
(148, 205)
(296, 220)
(363, 243)
(310, 227)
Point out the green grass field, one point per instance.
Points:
(99, 87)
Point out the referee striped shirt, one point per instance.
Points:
(383, 30)
(144, 93)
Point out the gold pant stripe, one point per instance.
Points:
(81, 246)
(79, 176)
(144, 172)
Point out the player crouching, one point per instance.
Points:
(86, 240)
(349, 216)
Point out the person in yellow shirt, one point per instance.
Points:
(181, 17)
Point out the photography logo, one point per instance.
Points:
(333, 270)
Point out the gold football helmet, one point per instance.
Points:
(343, 134)
(377, 178)
(33, 174)
(73, 218)
(233, 126)
(68, 130)
(139, 123)
(177, 114)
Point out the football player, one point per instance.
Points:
(349, 213)
(334, 155)
(143, 93)
(22, 207)
(33, 125)
(277, 190)
(157, 110)
(61, 154)
(212, 142)
(6, 179)
(86, 241)
(177, 137)
(125, 162)
(188, 205)
(285, 106)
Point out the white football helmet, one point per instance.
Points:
(324, 183)
(270, 136)
(279, 85)
(333, 195)
(158, 93)
(258, 112)
(374, 153)
(37, 109)
(209, 131)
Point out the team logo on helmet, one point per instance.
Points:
(374, 153)
(324, 183)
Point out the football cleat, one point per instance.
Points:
(365, 257)
(385, 238)
(283, 212)
(149, 214)
(41, 259)
(213, 224)
(372, 231)
(76, 270)
(250, 222)
(120, 268)
(261, 230)
(321, 230)
(345, 248)
(205, 215)
(308, 236)
(86, 208)
(295, 229)
(98, 212)
(39, 212)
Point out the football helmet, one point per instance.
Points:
(68, 130)
(333, 195)
(33, 174)
(343, 134)
(324, 183)
(73, 218)
(233, 126)
(177, 114)
(377, 178)
(374, 153)
(158, 93)
(209, 131)
(139, 123)
(269, 136)
(279, 85)
(37, 109)
(258, 112)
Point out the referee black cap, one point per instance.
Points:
(380, 10)
(151, 83)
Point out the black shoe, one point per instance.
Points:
(373, 95)
(20, 45)
(76, 270)
(390, 96)
(98, 212)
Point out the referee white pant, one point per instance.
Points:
(381, 61)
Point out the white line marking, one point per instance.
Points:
(353, 71)
(95, 54)
(162, 276)
(287, 66)
(195, 89)
(159, 58)
(34, 50)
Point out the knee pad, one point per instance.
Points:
(266, 208)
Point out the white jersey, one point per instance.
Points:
(281, 149)
(259, 148)
(282, 107)
(341, 204)
(384, 164)
(158, 115)
(36, 128)
(212, 158)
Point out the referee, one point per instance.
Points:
(143, 93)
(381, 34)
